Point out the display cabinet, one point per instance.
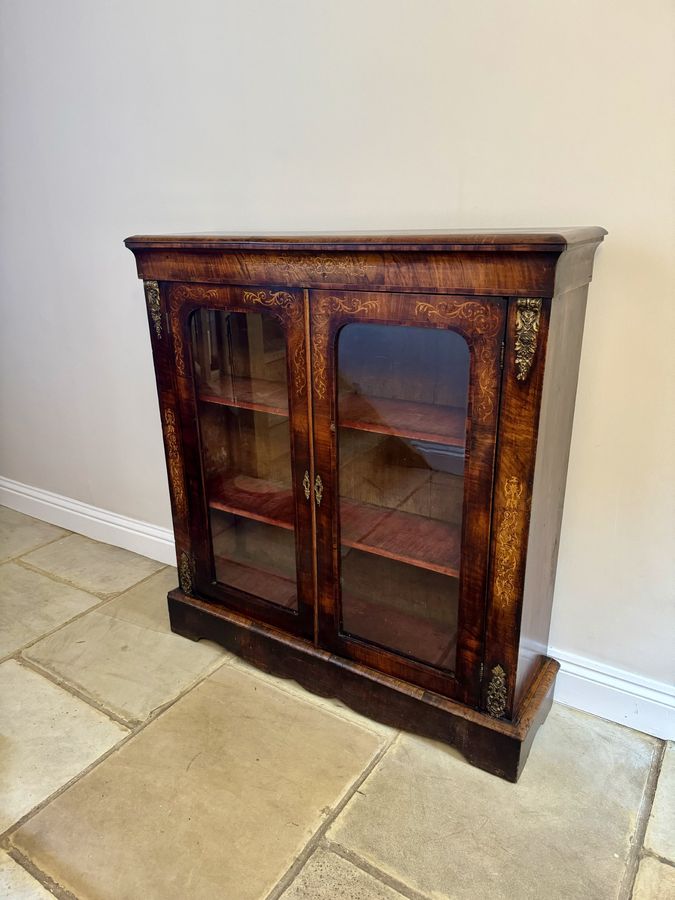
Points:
(367, 441)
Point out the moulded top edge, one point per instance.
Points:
(514, 239)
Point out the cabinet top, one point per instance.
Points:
(511, 239)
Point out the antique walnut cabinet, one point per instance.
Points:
(367, 440)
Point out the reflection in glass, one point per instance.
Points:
(240, 373)
(402, 412)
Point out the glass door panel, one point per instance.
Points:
(402, 403)
(240, 376)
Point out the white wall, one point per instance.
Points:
(155, 116)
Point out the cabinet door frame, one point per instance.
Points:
(196, 568)
(481, 321)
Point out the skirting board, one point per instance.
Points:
(614, 694)
(91, 521)
(582, 683)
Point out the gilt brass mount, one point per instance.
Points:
(528, 312)
(496, 693)
(185, 567)
(154, 305)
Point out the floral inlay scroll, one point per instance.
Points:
(175, 465)
(328, 267)
(324, 308)
(286, 308)
(486, 319)
(508, 544)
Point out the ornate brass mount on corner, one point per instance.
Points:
(185, 568)
(528, 312)
(154, 305)
(496, 693)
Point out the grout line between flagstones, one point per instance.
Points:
(112, 595)
(636, 849)
(62, 893)
(301, 859)
(39, 546)
(134, 728)
(41, 877)
(635, 854)
(5, 836)
(130, 723)
(351, 857)
(649, 854)
(60, 682)
(19, 650)
(16, 654)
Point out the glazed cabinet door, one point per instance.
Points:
(241, 378)
(406, 398)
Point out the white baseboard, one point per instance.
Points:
(582, 683)
(615, 694)
(99, 524)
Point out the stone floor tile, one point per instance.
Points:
(660, 837)
(337, 707)
(17, 884)
(124, 656)
(32, 604)
(19, 533)
(326, 876)
(99, 568)
(655, 881)
(447, 829)
(213, 799)
(48, 736)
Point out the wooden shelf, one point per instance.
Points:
(393, 629)
(415, 540)
(253, 498)
(270, 586)
(420, 421)
(247, 393)
(403, 418)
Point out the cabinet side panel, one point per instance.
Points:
(550, 476)
(522, 379)
(163, 359)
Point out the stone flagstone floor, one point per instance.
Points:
(137, 764)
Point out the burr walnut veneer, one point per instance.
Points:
(367, 441)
